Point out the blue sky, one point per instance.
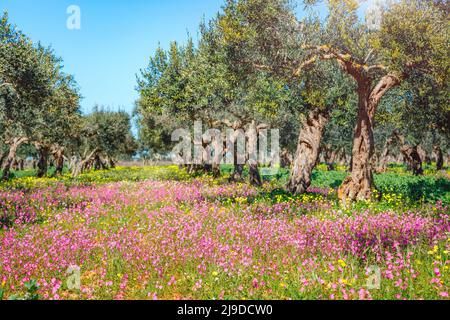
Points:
(116, 39)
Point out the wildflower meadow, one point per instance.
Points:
(167, 235)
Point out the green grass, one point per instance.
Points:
(428, 188)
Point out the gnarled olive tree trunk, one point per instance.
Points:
(413, 158)
(410, 154)
(308, 147)
(359, 185)
(58, 156)
(43, 154)
(439, 157)
(14, 144)
(84, 163)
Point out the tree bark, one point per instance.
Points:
(112, 164)
(359, 185)
(285, 159)
(13, 146)
(217, 157)
(72, 162)
(423, 155)
(410, 154)
(98, 163)
(439, 157)
(254, 176)
(385, 154)
(58, 156)
(83, 165)
(413, 159)
(308, 148)
(2, 158)
(43, 153)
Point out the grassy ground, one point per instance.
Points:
(158, 233)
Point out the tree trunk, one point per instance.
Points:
(207, 168)
(410, 155)
(21, 164)
(98, 163)
(236, 175)
(423, 155)
(329, 156)
(58, 156)
(72, 163)
(359, 185)
(2, 158)
(238, 168)
(413, 159)
(83, 165)
(252, 154)
(43, 152)
(307, 153)
(439, 157)
(217, 156)
(342, 157)
(112, 164)
(285, 159)
(384, 158)
(216, 170)
(13, 146)
(15, 165)
(254, 176)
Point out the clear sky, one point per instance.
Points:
(115, 40)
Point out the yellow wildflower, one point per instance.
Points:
(342, 263)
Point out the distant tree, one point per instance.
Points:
(58, 122)
(106, 137)
(25, 83)
(187, 84)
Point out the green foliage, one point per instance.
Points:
(427, 189)
(423, 189)
(32, 289)
(27, 179)
(419, 42)
(109, 132)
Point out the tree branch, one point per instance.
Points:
(384, 85)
